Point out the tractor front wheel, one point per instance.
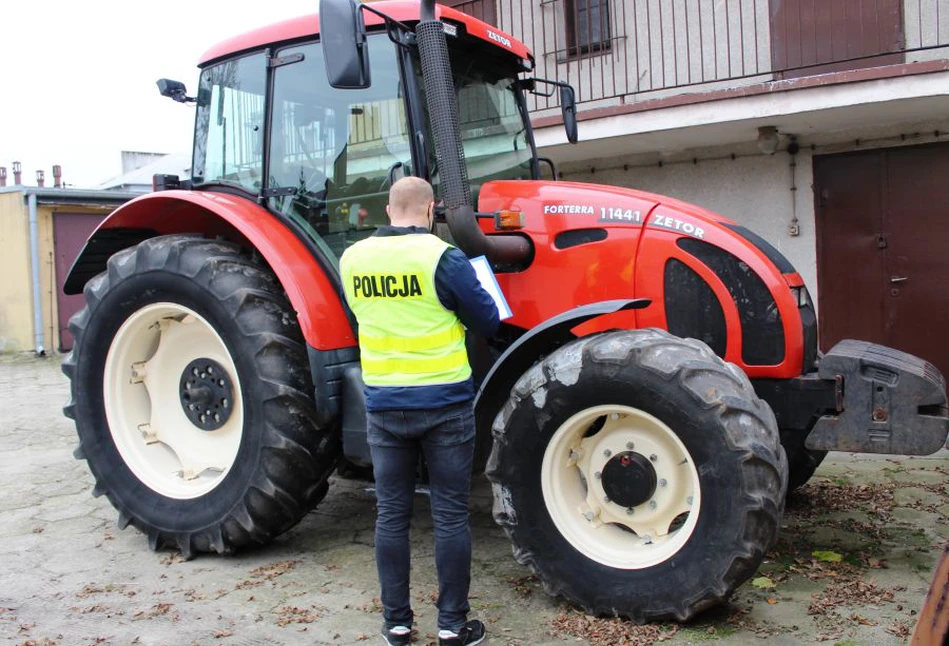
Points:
(192, 397)
(638, 475)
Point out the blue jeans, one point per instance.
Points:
(446, 438)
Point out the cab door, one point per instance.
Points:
(331, 151)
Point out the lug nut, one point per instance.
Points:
(597, 475)
(688, 500)
(614, 416)
(606, 498)
(662, 482)
(652, 504)
(630, 511)
(630, 445)
(607, 453)
(653, 457)
(589, 516)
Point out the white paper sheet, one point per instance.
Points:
(490, 284)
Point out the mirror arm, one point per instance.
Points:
(549, 162)
(398, 32)
(546, 82)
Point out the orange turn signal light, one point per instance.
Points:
(509, 220)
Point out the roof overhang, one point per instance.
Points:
(814, 112)
(71, 196)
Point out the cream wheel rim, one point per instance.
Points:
(146, 413)
(624, 536)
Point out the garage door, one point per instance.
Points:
(70, 231)
(882, 235)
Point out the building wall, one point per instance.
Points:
(16, 308)
(16, 273)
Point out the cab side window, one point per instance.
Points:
(228, 144)
(331, 150)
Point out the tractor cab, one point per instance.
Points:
(323, 157)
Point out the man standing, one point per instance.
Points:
(413, 295)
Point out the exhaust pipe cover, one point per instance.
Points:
(449, 151)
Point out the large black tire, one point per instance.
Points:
(283, 456)
(728, 434)
(802, 461)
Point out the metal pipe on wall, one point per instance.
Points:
(39, 339)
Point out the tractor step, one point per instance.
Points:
(887, 402)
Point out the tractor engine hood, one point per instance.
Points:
(555, 207)
(573, 213)
(595, 243)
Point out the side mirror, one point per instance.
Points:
(343, 38)
(174, 90)
(568, 107)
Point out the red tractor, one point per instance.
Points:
(641, 416)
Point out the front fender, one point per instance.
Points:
(310, 290)
(536, 342)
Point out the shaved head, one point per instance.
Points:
(409, 202)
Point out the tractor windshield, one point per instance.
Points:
(491, 112)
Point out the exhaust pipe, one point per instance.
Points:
(456, 191)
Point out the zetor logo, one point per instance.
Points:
(498, 38)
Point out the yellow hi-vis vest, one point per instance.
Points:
(406, 336)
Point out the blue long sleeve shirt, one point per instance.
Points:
(459, 291)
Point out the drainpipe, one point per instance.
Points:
(38, 337)
(456, 191)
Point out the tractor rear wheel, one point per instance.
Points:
(638, 475)
(192, 397)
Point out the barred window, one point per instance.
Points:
(587, 26)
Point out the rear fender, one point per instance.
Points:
(312, 293)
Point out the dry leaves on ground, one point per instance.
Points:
(899, 628)
(609, 632)
(293, 615)
(371, 606)
(264, 573)
(523, 585)
(849, 588)
(816, 498)
(158, 610)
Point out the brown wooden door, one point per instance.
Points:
(70, 231)
(883, 248)
(821, 36)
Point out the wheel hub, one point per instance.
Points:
(206, 394)
(629, 479)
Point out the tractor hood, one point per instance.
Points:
(704, 274)
(554, 207)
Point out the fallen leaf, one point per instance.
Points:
(762, 582)
(827, 556)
